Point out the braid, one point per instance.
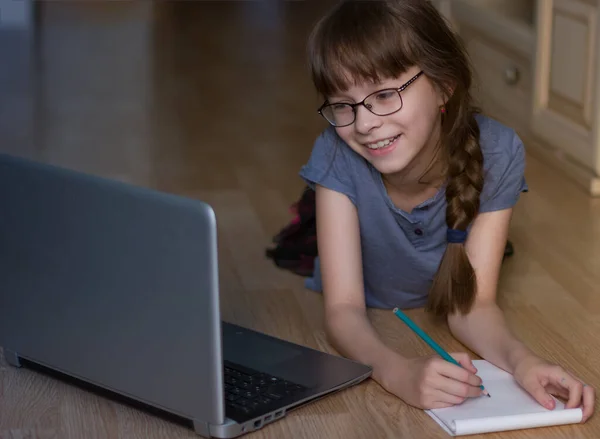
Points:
(454, 286)
(466, 181)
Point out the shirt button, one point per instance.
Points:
(418, 232)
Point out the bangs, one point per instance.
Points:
(359, 42)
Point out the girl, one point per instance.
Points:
(414, 194)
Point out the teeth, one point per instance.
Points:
(381, 143)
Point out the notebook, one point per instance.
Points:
(509, 408)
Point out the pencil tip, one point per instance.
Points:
(489, 396)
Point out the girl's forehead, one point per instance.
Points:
(358, 88)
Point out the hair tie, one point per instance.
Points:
(456, 236)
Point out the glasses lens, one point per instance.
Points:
(384, 102)
(338, 114)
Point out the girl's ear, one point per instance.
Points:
(445, 93)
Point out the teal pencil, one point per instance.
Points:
(427, 339)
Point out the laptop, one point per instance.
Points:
(115, 288)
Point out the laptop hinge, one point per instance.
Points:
(12, 358)
(202, 428)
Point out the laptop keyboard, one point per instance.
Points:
(250, 393)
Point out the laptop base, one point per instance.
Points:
(96, 389)
(229, 429)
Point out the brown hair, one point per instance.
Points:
(372, 40)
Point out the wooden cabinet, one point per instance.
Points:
(502, 79)
(537, 69)
(565, 98)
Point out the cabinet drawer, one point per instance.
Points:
(502, 79)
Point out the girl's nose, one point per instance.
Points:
(365, 120)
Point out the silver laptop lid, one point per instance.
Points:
(112, 283)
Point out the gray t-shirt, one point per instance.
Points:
(401, 251)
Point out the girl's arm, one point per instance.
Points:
(484, 329)
(346, 322)
(426, 382)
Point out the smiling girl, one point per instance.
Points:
(414, 196)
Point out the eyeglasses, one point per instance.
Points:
(382, 103)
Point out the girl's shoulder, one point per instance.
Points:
(503, 164)
(332, 164)
(496, 137)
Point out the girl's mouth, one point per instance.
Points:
(383, 146)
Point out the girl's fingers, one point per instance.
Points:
(578, 394)
(573, 386)
(589, 399)
(458, 388)
(448, 398)
(465, 361)
(558, 391)
(539, 393)
(458, 373)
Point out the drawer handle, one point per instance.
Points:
(511, 75)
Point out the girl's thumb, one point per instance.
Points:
(540, 395)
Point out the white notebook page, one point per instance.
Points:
(510, 407)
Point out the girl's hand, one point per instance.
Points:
(542, 379)
(431, 382)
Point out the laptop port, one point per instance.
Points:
(257, 423)
(279, 413)
(268, 418)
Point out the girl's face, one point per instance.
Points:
(401, 143)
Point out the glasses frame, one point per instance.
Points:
(357, 104)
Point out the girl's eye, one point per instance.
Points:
(341, 107)
(385, 95)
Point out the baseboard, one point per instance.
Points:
(557, 159)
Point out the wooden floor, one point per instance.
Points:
(212, 100)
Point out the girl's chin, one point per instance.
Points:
(389, 168)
